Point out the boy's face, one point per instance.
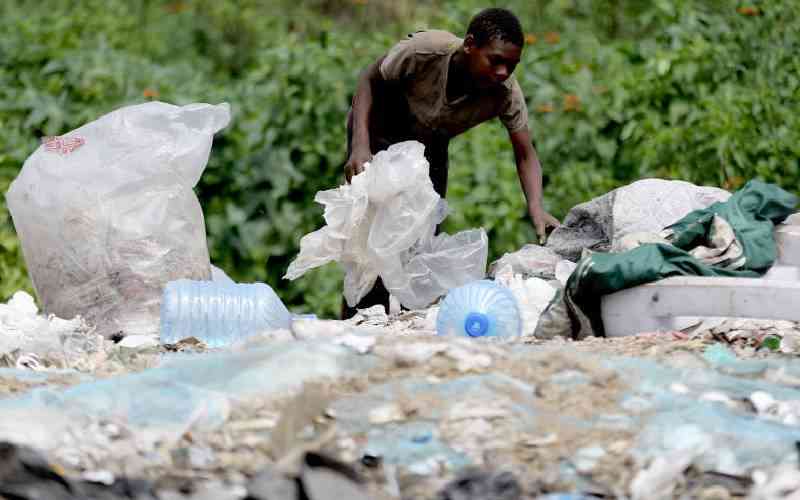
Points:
(491, 64)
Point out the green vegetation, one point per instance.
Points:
(704, 91)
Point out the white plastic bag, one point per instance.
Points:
(107, 216)
(533, 296)
(382, 224)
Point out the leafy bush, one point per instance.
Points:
(617, 90)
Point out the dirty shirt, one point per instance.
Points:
(418, 67)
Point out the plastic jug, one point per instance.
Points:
(480, 309)
(219, 313)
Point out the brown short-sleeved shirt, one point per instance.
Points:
(419, 67)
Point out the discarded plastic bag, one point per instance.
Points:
(107, 216)
(533, 296)
(383, 224)
(444, 263)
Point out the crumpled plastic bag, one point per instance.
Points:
(533, 296)
(33, 341)
(529, 261)
(107, 216)
(383, 224)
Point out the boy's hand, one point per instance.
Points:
(542, 221)
(355, 164)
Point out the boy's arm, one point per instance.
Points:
(529, 171)
(362, 106)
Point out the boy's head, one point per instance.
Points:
(493, 46)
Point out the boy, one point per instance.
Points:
(434, 86)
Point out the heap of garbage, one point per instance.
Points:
(414, 414)
(383, 405)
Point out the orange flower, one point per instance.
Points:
(545, 108)
(151, 93)
(733, 183)
(176, 7)
(530, 39)
(749, 11)
(572, 102)
(552, 37)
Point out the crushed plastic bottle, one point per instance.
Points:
(219, 313)
(480, 309)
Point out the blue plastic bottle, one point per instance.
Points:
(480, 309)
(219, 313)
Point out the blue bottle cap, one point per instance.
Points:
(476, 324)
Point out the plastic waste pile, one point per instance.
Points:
(383, 225)
(419, 408)
(287, 408)
(107, 215)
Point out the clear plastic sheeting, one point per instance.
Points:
(702, 412)
(441, 264)
(198, 392)
(383, 225)
(107, 215)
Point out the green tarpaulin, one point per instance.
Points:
(751, 212)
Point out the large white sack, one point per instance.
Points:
(107, 216)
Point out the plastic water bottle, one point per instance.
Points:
(219, 313)
(480, 309)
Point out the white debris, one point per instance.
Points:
(472, 409)
(466, 360)
(412, 354)
(538, 441)
(529, 261)
(430, 319)
(19, 315)
(390, 412)
(361, 344)
(718, 397)
(139, 342)
(532, 295)
(586, 459)
(763, 402)
(372, 316)
(29, 361)
(660, 478)
(782, 483)
(24, 303)
(40, 340)
(564, 270)
(317, 329)
(99, 476)
(786, 412)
